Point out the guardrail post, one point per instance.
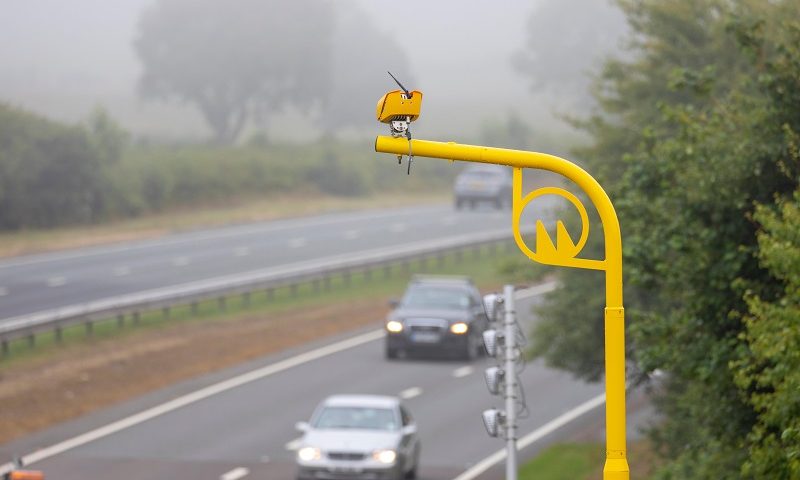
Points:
(459, 255)
(193, 308)
(136, 318)
(246, 299)
(31, 340)
(315, 284)
(326, 281)
(293, 289)
(89, 328)
(387, 271)
(120, 320)
(58, 334)
(165, 312)
(476, 252)
(346, 277)
(4, 347)
(492, 249)
(440, 260)
(270, 294)
(368, 274)
(423, 262)
(406, 267)
(221, 303)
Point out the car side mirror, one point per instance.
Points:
(394, 303)
(409, 429)
(302, 426)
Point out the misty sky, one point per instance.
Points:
(63, 58)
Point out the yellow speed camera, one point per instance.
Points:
(399, 105)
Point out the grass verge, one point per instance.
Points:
(584, 461)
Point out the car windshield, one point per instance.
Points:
(425, 296)
(356, 417)
(481, 175)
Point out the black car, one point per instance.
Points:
(437, 315)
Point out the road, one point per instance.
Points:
(42, 282)
(249, 429)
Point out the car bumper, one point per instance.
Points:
(336, 472)
(446, 342)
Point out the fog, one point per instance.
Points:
(63, 59)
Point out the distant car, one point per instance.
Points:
(359, 437)
(437, 315)
(483, 183)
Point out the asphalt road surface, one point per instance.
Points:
(35, 283)
(246, 430)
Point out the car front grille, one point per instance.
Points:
(425, 328)
(347, 456)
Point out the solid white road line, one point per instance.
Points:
(463, 371)
(56, 281)
(410, 393)
(294, 444)
(534, 436)
(235, 474)
(196, 396)
(297, 242)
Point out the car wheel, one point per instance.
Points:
(391, 353)
(470, 349)
(411, 474)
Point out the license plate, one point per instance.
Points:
(425, 337)
(345, 470)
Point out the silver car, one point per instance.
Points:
(483, 183)
(358, 437)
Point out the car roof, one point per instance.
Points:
(377, 401)
(452, 280)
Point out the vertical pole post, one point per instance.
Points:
(511, 383)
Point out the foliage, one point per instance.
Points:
(694, 131)
(769, 370)
(53, 174)
(236, 61)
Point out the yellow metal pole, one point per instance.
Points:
(563, 253)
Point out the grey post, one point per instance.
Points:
(511, 383)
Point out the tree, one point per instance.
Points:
(695, 129)
(361, 56)
(236, 61)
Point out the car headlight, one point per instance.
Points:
(384, 456)
(394, 326)
(459, 328)
(308, 454)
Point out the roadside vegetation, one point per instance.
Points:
(93, 173)
(696, 138)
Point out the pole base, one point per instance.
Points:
(616, 469)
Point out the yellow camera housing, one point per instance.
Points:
(398, 105)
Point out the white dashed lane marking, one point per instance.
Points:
(294, 444)
(297, 242)
(121, 271)
(463, 371)
(180, 261)
(56, 281)
(235, 474)
(410, 393)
